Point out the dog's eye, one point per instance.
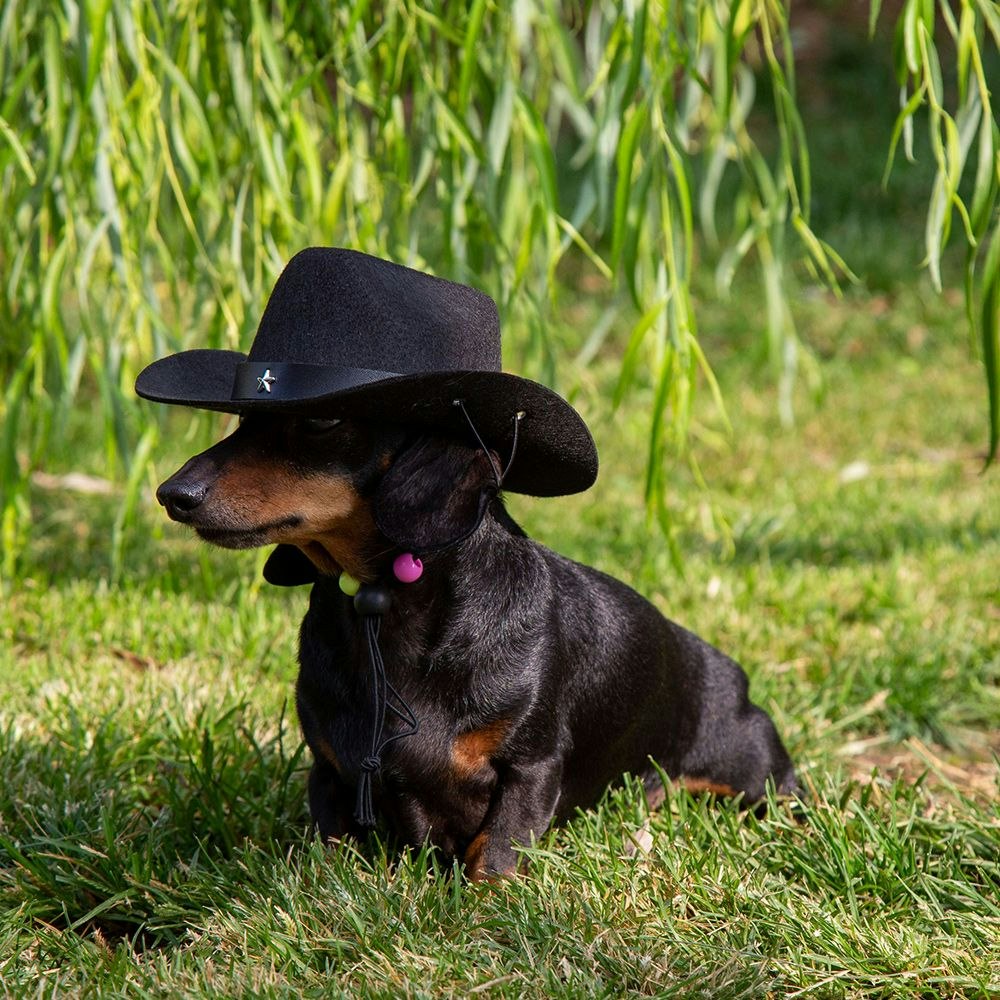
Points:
(317, 426)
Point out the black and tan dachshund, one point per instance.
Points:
(536, 681)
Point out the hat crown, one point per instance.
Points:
(332, 306)
(348, 335)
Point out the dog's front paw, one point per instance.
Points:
(488, 858)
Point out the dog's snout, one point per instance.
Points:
(181, 497)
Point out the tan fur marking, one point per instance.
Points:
(474, 856)
(324, 750)
(335, 530)
(321, 558)
(698, 786)
(350, 545)
(471, 752)
(262, 492)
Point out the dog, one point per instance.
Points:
(536, 682)
(456, 678)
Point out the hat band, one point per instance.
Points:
(281, 380)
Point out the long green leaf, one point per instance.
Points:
(470, 53)
(626, 164)
(990, 332)
(23, 160)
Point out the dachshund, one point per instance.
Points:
(521, 684)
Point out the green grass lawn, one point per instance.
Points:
(153, 829)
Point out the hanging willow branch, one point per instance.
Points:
(160, 162)
(965, 140)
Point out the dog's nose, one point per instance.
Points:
(181, 497)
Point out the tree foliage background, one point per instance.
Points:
(160, 162)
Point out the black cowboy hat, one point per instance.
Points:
(349, 335)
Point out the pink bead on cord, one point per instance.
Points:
(407, 568)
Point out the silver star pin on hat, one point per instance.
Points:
(265, 381)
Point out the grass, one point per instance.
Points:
(153, 830)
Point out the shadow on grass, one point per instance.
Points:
(873, 540)
(74, 540)
(130, 827)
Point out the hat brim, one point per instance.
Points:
(555, 456)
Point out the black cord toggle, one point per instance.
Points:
(384, 698)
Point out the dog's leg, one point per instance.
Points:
(331, 803)
(521, 809)
(739, 757)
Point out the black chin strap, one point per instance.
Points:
(384, 697)
(499, 475)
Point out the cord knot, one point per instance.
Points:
(385, 698)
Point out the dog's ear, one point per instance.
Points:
(289, 566)
(435, 494)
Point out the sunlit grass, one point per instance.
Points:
(153, 829)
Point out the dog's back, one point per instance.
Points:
(637, 686)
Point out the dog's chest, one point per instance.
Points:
(440, 777)
(433, 783)
(345, 721)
